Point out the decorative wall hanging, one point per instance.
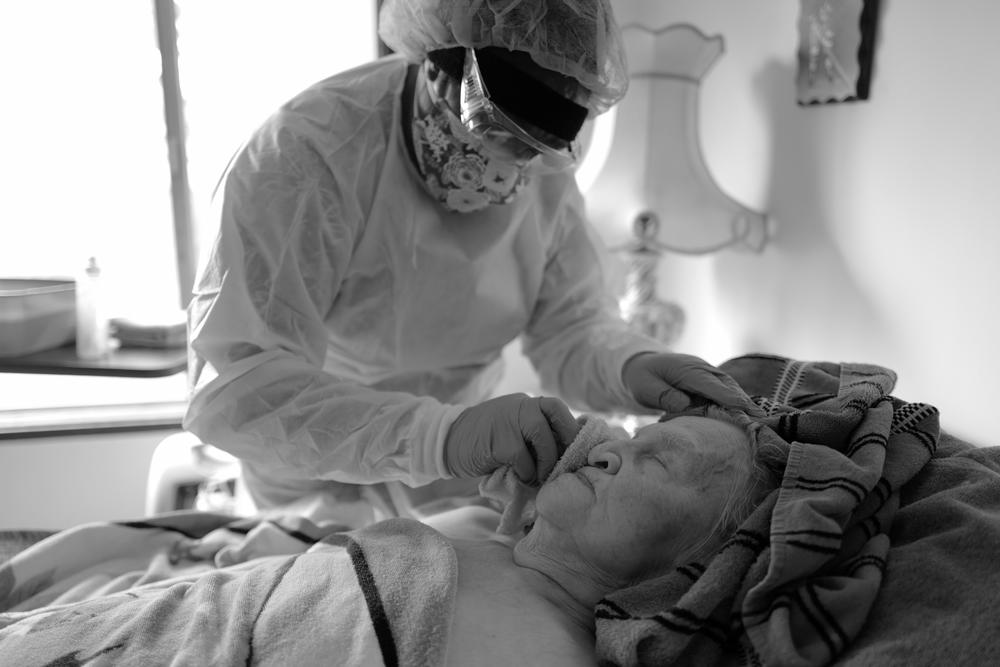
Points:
(836, 50)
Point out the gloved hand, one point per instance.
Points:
(672, 382)
(527, 433)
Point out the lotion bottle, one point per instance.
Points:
(91, 324)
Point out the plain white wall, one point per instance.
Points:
(51, 483)
(887, 209)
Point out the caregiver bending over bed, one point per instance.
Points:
(388, 231)
(400, 592)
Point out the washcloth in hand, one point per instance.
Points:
(518, 499)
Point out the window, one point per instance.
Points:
(85, 162)
(86, 170)
(241, 59)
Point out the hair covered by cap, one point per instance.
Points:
(577, 38)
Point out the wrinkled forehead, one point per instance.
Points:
(691, 429)
(698, 439)
(717, 412)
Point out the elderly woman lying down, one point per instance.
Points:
(842, 526)
(397, 592)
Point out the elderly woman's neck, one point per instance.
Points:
(565, 580)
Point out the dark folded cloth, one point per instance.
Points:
(797, 582)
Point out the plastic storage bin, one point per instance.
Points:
(36, 314)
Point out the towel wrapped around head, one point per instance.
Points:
(796, 582)
(518, 499)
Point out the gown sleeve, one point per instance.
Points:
(289, 221)
(576, 339)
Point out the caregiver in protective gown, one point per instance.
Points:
(388, 231)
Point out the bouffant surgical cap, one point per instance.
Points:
(576, 38)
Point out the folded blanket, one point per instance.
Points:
(796, 583)
(195, 588)
(518, 499)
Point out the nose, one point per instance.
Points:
(604, 459)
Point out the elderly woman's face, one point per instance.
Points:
(640, 502)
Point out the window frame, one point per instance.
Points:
(173, 108)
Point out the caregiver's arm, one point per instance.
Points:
(258, 340)
(576, 339)
(586, 351)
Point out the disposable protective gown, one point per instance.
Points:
(343, 319)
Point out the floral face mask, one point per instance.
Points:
(457, 170)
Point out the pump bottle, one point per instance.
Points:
(91, 323)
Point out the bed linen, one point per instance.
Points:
(879, 548)
(198, 588)
(13, 542)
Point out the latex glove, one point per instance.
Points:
(672, 382)
(529, 434)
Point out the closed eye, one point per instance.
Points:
(652, 456)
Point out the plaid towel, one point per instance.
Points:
(795, 584)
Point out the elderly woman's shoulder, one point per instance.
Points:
(501, 619)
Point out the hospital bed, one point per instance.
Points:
(185, 473)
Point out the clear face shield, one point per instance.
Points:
(500, 133)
